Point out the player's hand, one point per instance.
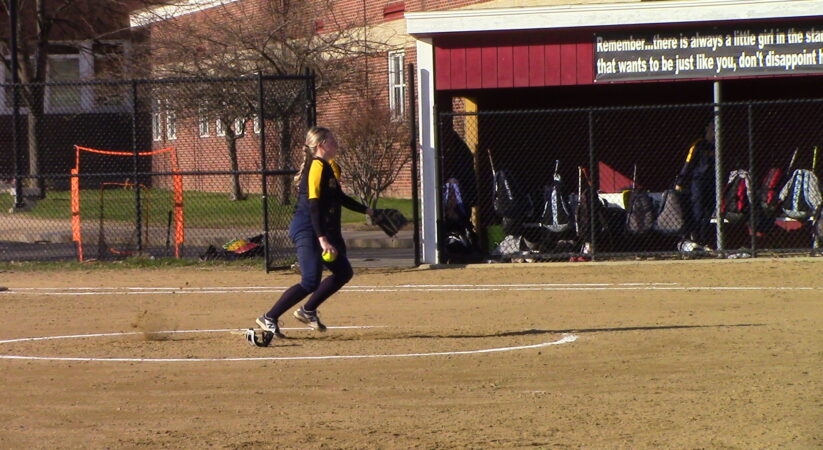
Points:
(326, 246)
(678, 188)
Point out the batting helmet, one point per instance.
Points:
(259, 338)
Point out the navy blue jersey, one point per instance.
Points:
(699, 165)
(319, 200)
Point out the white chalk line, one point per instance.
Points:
(358, 288)
(146, 288)
(80, 291)
(567, 338)
(279, 290)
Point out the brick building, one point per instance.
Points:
(201, 142)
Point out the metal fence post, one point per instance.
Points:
(413, 149)
(15, 80)
(438, 189)
(755, 203)
(594, 186)
(136, 167)
(263, 167)
(718, 167)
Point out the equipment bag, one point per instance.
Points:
(737, 197)
(557, 216)
(503, 196)
(800, 197)
(670, 216)
(640, 213)
(455, 212)
(770, 191)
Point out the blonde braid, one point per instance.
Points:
(314, 137)
(307, 155)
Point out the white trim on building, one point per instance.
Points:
(428, 156)
(203, 123)
(598, 15)
(397, 83)
(239, 126)
(149, 16)
(219, 128)
(171, 121)
(156, 120)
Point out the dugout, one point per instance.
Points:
(527, 84)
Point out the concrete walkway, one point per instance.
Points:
(375, 238)
(19, 228)
(368, 247)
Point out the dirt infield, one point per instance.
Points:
(700, 354)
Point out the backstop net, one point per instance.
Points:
(127, 217)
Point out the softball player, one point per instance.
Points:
(697, 175)
(315, 230)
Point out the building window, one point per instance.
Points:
(256, 124)
(239, 126)
(203, 122)
(61, 69)
(397, 84)
(156, 123)
(71, 62)
(171, 121)
(219, 127)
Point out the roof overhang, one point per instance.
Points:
(148, 16)
(603, 15)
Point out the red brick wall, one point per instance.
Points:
(195, 153)
(333, 110)
(331, 107)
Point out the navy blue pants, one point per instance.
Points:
(311, 267)
(702, 206)
(309, 258)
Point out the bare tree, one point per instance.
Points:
(373, 155)
(272, 37)
(47, 27)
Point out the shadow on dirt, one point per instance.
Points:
(376, 336)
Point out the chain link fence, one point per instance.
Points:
(585, 183)
(191, 168)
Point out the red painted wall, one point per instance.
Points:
(520, 59)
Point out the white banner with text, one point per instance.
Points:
(709, 53)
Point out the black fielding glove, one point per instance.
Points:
(389, 220)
